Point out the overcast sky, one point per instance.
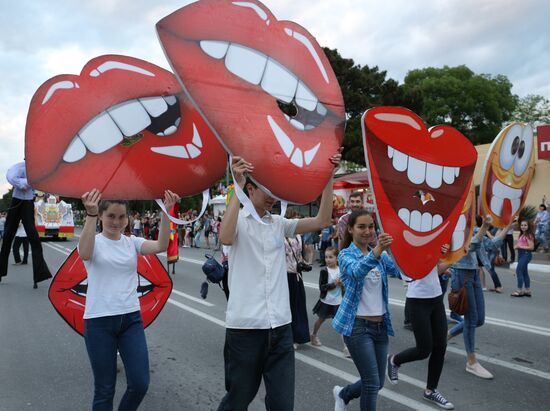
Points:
(40, 39)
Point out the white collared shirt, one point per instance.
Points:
(258, 297)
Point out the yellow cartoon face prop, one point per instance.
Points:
(507, 174)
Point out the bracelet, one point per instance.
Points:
(91, 215)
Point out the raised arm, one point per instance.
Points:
(87, 236)
(324, 216)
(356, 268)
(161, 244)
(229, 222)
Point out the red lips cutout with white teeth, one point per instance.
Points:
(420, 179)
(236, 61)
(123, 126)
(68, 290)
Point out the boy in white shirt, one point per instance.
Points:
(258, 339)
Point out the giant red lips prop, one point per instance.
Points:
(123, 126)
(420, 179)
(265, 86)
(67, 291)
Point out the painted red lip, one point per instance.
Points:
(102, 129)
(238, 89)
(406, 161)
(67, 291)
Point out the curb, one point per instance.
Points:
(541, 268)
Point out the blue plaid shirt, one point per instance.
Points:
(354, 267)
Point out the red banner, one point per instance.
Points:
(544, 142)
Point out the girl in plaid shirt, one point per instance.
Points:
(364, 317)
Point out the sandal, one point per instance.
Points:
(498, 290)
(517, 294)
(527, 294)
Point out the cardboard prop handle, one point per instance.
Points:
(178, 221)
(247, 204)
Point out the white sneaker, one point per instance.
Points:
(339, 404)
(478, 370)
(315, 340)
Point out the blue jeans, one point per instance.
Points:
(368, 346)
(475, 317)
(249, 355)
(524, 257)
(103, 336)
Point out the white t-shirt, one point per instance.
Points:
(372, 301)
(334, 296)
(113, 277)
(258, 284)
(427, 287)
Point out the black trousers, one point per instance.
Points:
(429, 323)
(17, 243)
(508, 244)
(23, 211)
(297, 295)
(251, 354)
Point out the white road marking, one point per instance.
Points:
(541, 268)
(534, 329)
(401, 399)
(384, 392)
(402, 377)
(410, 380)
(505, 364)
(56, 249)
(190, 297)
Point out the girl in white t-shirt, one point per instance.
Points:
(112, 314)
(330, 286)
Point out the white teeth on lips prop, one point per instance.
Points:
(258, 69)
(419, 171)
(502, 192)
(418, 221)
(126, 119)
(459, 233)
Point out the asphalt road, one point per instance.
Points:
(44, 366)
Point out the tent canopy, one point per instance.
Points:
(352, 181)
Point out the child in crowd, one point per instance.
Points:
(330, 286)
(525, 246)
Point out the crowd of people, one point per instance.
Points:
(267, 311)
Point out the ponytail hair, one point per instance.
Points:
(348, 239)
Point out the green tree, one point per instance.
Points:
(364, 87)
(534, 109)
(5, 201)
(475, 104)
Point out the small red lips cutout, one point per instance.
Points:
(67, 291)
(123, 126)
(408, 162)
(265, 86)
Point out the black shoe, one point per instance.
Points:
(408, 326)
(24, 263)
(35, 286)
(393, 371)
